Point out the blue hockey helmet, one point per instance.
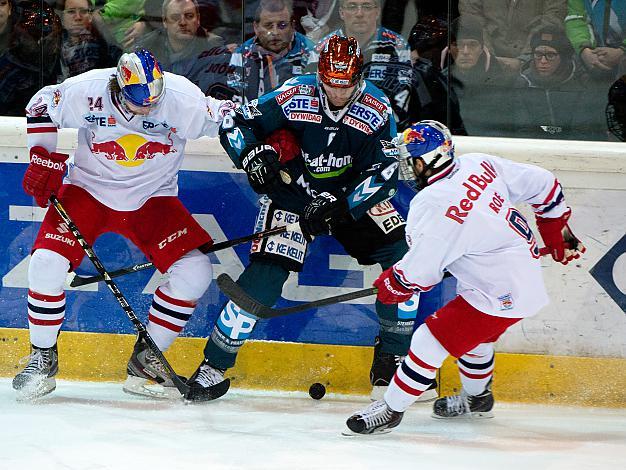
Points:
(429, 141)
(140, 78)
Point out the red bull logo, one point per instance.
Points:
(131, 150)
(411, 135)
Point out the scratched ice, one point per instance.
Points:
(94, 426)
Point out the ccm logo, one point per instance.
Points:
(37, 160)
(172, 237)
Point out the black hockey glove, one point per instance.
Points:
(322, 214)
(262, 166)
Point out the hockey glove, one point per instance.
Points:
(559, 239)
(44, 175)
(285, 143)
(322, 214)
(261, 164)
(390, 291)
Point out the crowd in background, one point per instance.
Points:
(529, 68)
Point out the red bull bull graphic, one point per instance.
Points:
(411, 135)
(131, 150)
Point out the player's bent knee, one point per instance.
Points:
(190, 276)
(427, 347)
(483, 349)
(47, 272)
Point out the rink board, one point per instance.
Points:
(572, 352)
(213, 198)
(342, 369)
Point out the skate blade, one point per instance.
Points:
(471, 415)
(37, 390)
(139, 386)
(378, 393)
(349, 433)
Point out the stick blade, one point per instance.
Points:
(234, 292)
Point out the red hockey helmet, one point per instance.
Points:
(341, 62)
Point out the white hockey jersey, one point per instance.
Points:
(466, 223)
(123, 159)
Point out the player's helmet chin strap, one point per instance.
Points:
(326, 105)
(416, 181)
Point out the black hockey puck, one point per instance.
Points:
(317, 391)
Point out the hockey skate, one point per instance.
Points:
(465, 405)
(384, 366)
(207, 383)
(377, 418)
(37, 378)
(147, 376)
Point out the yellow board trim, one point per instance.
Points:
(272, 365)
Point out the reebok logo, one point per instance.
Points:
(47, 163)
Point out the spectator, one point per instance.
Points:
(481, 82)
(551, 99)
(276, 52)
(429, 97)
(116, 17)
(321, 18)
(616, 109)
(35, 33)
(151, 20)
(386, 53)
(6, 12)
(597, 30)
(508, 25)
(394, 11)
(82, 46)
(184, 48)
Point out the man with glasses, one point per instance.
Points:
(386, 53)
(552, 100)
(275, 54)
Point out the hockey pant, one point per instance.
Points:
(458, 330)
(264, 280)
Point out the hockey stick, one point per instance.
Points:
(239, 296)
(235, 293)
(182, 387)
(84, 280)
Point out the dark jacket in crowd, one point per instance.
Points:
(430, 100)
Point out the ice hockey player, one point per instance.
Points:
(337, 178)
(463, 220)
(133, 123)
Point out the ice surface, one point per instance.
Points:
(95, 426)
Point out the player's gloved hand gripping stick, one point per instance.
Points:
(182, 387)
